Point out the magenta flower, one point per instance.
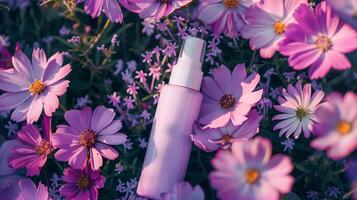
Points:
(267, 22)
(28, 190)
(346, 10)
(32, 87)
(224, 16)
(337, 127)
(223, 137)
(33, 151)
(81, 184)
(318, 40)
(228, 96)
(157, 9)
(184, 190)
(110, 7)
(298, 108)
(88, 136)
(249, 172)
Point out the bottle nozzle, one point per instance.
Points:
(187, 72)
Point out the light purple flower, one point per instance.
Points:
(8, 178)
(337, 127)
(33, 151)
(346, 10)
(33, 87)
(110, 7)
(267, 22)
(88, 136)
(81, 184)
(319, 40)
(158, 9)
(28, 190)
(223, 137)
(298, 109)
(224, 16)
(228, 96)
(184, 191)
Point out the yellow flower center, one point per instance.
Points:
(37, 87)
(227, 101)
(87, 138)
(301, 113)
(252, 175)
(279, 27)
(343, 127)
(45, 147)
(83, 182)
(323, 42)
(231, 3)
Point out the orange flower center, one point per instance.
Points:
(343, 127)
(83, 182)
(279, 27)
(37, 87)
(227, 101)
(251, 175)
(231, 3)
(87, 138)
(45, 147)
(323, 42)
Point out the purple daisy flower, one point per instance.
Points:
(29, 190)
(88, 136)
(33, 87)
(228, 96)
(33, 150)
(298, 108)
(319, 40)
(223, 137)
(110, 7)
(81, 184)
(158, 9)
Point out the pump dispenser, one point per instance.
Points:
(179, 104)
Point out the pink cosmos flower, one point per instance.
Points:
(110, 7)
(33, 151)
(298, 109)
(184, 190)
(228, 96)
(28, 190)
(157, 9)
(319, 40)
(249, 172)
(346, 9)
(267, 22)
(81, 184)
(88, 136)
(337, 127)
(224, 16)
(223, 137)
(5, 59)
(32, 87)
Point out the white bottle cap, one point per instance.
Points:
(187, 72)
